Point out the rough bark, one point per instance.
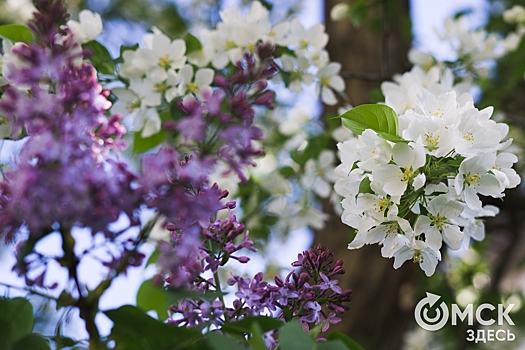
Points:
(382, 306)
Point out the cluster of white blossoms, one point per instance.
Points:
(306, 62)
(163, 70)
(422, 188)
(474, 47)
(159, 71)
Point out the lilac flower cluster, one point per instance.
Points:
(221, 123)
(301, 295)
(189, 254)
(61, 179)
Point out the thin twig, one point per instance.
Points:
(29, 290)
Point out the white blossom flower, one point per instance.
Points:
(394, 178)
(88, 27)
(319, 174)
(436, 135)
(198, 85)
(329, 79)
(374, 152)
(437, 226)
(313, 39)
(391, 234)
(473, 226)
(380, 206)
(478, 134)
(473, 178)
(420, 58)
(503, 171)
(161, 52)
(277, 34)
(297, 67)
(420, 253)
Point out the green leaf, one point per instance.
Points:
(391, 138)
(286, 171)
(293, 337)
(331, 345)
(358, 12)
(246, 324)
(100, 58)
(16, 33)
(143, 144)
(256, 341)
(217, 341)
(16, 320)
(349, 342)
(153, 257)
(312, 150)
(364, 186)
(192, 43)
(286, 77)
(379, 118)
(31, 341)
(65, 299)
(133, 329)
(151, 297)
(124, 48)
(284, 50)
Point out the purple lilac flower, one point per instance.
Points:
(62, 178)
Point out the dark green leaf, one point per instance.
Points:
(245, 325)
(123, 49)
(364, 186)
(293, 337)
(100, 57)
(282, 50)
(65, 299)
(379, 118)
(143, 144)
(192, 43)
(217, 341)
(349, 342)
(286, 171)
(256, 340)
(133, 329)
(286, 77)
(331, 345)
(16, 320)
(16, 33)
(151, 297)
(31, 342)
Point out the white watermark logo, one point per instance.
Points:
(432, 316)
(424, 320)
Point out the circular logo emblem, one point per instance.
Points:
(424, 320)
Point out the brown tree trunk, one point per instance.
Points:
(381, 307)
